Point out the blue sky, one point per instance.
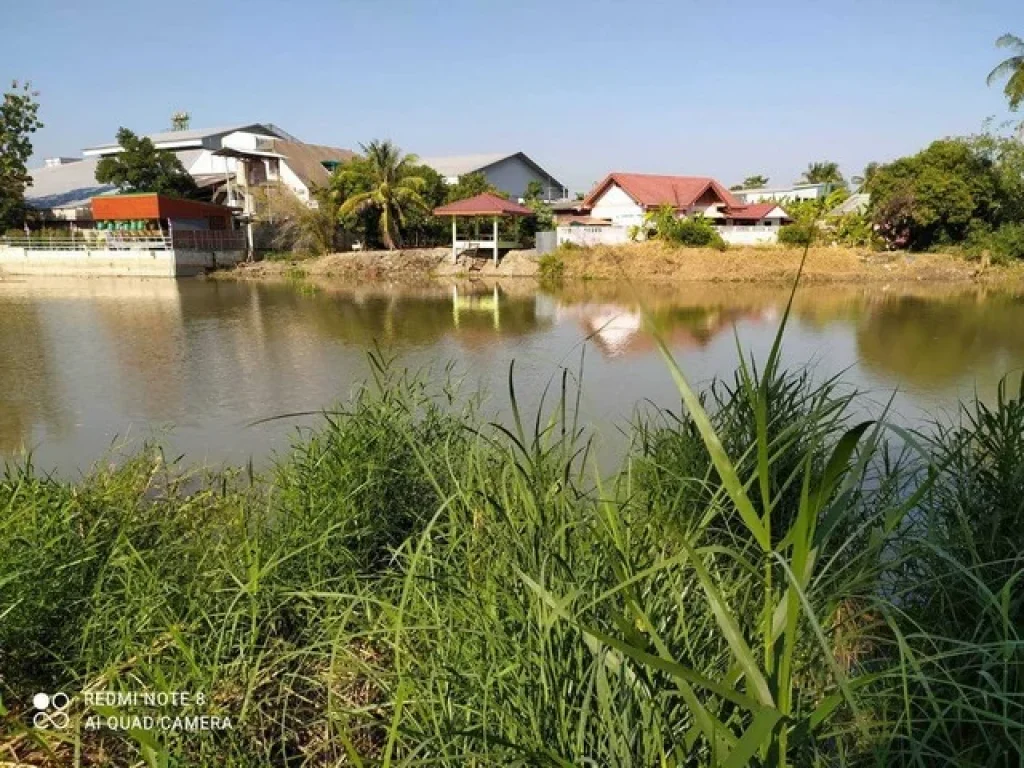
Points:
(583, 86)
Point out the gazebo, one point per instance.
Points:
(481, 205)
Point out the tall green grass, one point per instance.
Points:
(762, 581)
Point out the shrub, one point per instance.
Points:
(552, 267)
(854, 229)
(696, 232)
(692, 232)
(797, 234)
(1008, 241)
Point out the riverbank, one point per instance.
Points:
(411, 584)
(651, 261)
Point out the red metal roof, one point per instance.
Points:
(483, 205)
(751, 212)
(653, 191)
(149, 205)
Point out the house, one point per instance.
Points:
(621, 201)
(780, 194)
(509, 173)
(229, 163)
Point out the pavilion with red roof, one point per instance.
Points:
(484, 205)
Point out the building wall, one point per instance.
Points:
(755, 235)
(293, 182)
(800, 192)
(208, 163)
(512, 175)
(590, 236)
(113, 263)
(618, 207)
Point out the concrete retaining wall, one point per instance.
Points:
(113, 263)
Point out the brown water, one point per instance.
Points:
(88, 364)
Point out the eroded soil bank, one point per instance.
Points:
(646, 261)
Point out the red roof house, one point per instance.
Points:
(624, 198)
(653, 191)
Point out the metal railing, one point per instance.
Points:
(114, 240)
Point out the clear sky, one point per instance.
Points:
(582, 86)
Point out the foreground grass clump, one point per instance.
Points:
(762, 582)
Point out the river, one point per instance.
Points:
(90, 367)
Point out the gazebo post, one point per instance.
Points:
(455, 237)
(495, 241)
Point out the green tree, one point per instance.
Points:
(395, 189)
(470, 185)
(18, 121)
(823, 172)
(1011, 69)
(422, 227)
(534, 191)
(942, 193)
(141, 167)
(752, 182)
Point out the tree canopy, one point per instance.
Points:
(18, 121)
(823, 172)
(141, 167)
(470, 185)
(1011, 70)
(953, 189)
(757, 181)
(384, 184)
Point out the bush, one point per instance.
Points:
(696, 233)
(692, 232)
(797, 234)
(552, 268)
(1008, 241)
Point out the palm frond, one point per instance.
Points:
(1008, 68)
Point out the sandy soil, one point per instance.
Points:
(655, 261)
(646, 262)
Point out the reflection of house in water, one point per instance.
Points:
(30, 397)
(619, 330)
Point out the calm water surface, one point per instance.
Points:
(89, 364)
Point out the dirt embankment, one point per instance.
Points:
(404, 266)
(656, 261)
(651, 261)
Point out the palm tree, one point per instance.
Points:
(394, 189)
(824, 172)
(863, 182)
(757, 181)
(1012, 69)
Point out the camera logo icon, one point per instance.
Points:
(52, 711)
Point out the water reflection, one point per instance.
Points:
(84, 361)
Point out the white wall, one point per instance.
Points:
(800, 192)
(755, 235)
(113, 263)
(208, 163)
(618, 207)
(293, 182)
(588, 236)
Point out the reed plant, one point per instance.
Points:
(763, 580)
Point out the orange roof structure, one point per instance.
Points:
(151, 206)
(485, 204)
(654, 191)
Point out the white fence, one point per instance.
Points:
(756, 235)
(589, 236)
(113, 240)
